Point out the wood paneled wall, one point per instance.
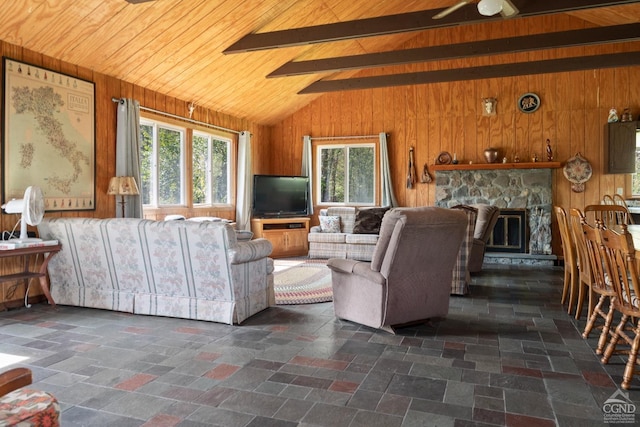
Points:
(106, 88)
(448, 117)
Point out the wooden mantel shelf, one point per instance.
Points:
(489, 166)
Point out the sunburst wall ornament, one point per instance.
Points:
(577, 170)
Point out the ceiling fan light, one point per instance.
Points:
(489, 7)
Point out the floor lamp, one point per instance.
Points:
(123, 186)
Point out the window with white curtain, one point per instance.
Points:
(162, 169)
(346, 174)
(211, 169)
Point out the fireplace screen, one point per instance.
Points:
(510, 233)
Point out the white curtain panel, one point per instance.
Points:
(244, 182)
(307, 169)
(388, 196)
(128, 153)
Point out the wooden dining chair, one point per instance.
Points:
(571, 275)
(601, 286)
(619, 200)
(607, 200)
(609, 215)
(621, 267)
(585, 275)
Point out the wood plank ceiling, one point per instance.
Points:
(176, 47)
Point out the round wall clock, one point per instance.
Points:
(529, 102)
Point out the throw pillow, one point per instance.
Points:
(368, 220)
(330, 224)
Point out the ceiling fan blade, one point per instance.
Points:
(508, 9)
(137, 1)
(451, 9)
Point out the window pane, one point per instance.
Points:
(210, 170)
(332, 175)
(361, 170)
(146, 159)
(220, 172)
(200, 162)
(169, 169)
(164, 163)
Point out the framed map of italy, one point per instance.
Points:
(48, 136)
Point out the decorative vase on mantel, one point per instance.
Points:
(491, 155)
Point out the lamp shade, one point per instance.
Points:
(489, 7)
(123, 186)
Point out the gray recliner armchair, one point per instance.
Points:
(409, 277)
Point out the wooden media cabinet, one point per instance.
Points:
(287, 235)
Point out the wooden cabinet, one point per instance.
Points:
(287, 235)
(620, 147)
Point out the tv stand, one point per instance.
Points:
(287, 235)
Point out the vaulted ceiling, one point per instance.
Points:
(184, 48)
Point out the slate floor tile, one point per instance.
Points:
(507, 354)
(140, 406)
(294, 409)
(365, 400)
(329, 415)
(423, 388)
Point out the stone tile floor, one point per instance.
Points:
(508, 354)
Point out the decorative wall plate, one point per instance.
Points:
(529, 102)
(577, 170)
(443, 158)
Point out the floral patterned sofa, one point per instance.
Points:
(192, 270)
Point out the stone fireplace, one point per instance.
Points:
(528, 190)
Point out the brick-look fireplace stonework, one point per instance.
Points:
(529, 189)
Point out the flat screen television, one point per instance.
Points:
(279, 196)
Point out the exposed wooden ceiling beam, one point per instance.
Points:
(400, 23)
(597, 35)
(476, 73)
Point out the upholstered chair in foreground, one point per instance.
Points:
(25, 407)
(409, 278)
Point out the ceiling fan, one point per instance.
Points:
(485, 7)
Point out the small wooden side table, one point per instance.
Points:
(26, 274)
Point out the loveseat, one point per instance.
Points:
(343, 242)
(192, 270)
(335, 236)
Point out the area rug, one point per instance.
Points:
(305, 283)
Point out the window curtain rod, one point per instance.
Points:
(173, 116)
(330, 138)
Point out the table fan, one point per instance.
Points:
(31, 206)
